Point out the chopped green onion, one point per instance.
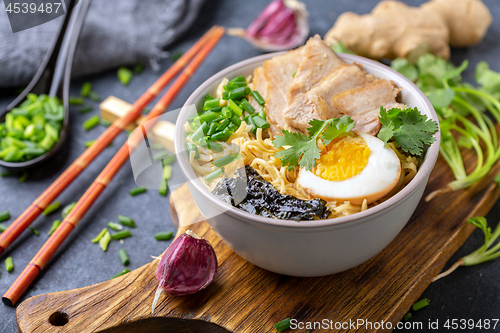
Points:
(127, 221)
(262, 114)
(86, 88)
(101, 234)
(137, 190)
(8, 174)
(124, 75)
(76, 101)
(89, 143)
(247, 106)
(95, 97)
(225, 95)
(208, 97)
(209, 116)
(236, 121)
(9, 264)
(164, 236)
(421, 304)
(236, 109)
(225, 160)
(226, 112)
(156, 146)
(123, 257)
(407, 316)
(213, 175)
(138, 68)
(161, 155)
(36, 232)
(23, 177)
(167, 172)
(238, 79)
(237, 94)
(85, 109)
(222, 125)
(212, 128)
(258, 97)
(91, 123)
(260, 123)
(125, 271)
(51, 208)
(192, 147)
(54, 226)
(163, 187)
(198, 134)
(283, 325)
(4, 216)
(211, 145)
(121, 234)
(212, 103)
(115, 226)
(104, 241)
(66, 210)
(3, 227)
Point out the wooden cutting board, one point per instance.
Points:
(244, 298)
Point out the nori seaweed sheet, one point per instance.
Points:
(250, 192)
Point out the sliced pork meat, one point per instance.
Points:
(278, 73)
(363, 104)
(318, 60)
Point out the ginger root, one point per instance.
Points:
(394, 29)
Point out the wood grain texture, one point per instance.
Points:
(245, 298)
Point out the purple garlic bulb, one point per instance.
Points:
(188, 265)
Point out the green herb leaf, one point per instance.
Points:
(340, 47)
(441, 98)
(404, 67)
(411, 130)
(304, 150)
(124, 75)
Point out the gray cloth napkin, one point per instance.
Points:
(115, 32)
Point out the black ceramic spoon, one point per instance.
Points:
(46, 79)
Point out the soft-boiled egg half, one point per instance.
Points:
(353, 167)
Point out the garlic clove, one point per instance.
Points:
(187, 266)
(282, 25)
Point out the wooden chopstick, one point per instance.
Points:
(60, 184)
(38, 262)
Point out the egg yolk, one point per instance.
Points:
(343, 158)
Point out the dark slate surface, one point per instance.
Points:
(470, 293)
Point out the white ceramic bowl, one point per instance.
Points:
(309, 248)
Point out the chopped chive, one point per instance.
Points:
(176, 56)
(94, 96)
(86, 88)
(167, 172)
(126, 221)
(123, 257)
(55, 225)
(236, 109)
(3, 227)
(36, 232)
(194, 148)
(66, 210)
(23, 177)
(407, 316)
(85, 109)
(115, 226)
(213, 175)
(121, 234)
(104, 122)
(421, 304)
(104, 241)
(282, 325)
(163, 187)
(51, 208)
(4, 216)
(137, 190)
(76, 101)
(124, 75)
(91, 123)
(225, 160)
(98, 237)
(89, 143)
(161, 236)
(125, 271)
(138, 68)
(258, 97)
(9, 264)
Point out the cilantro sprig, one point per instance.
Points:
(303, 150)
(410, 129)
